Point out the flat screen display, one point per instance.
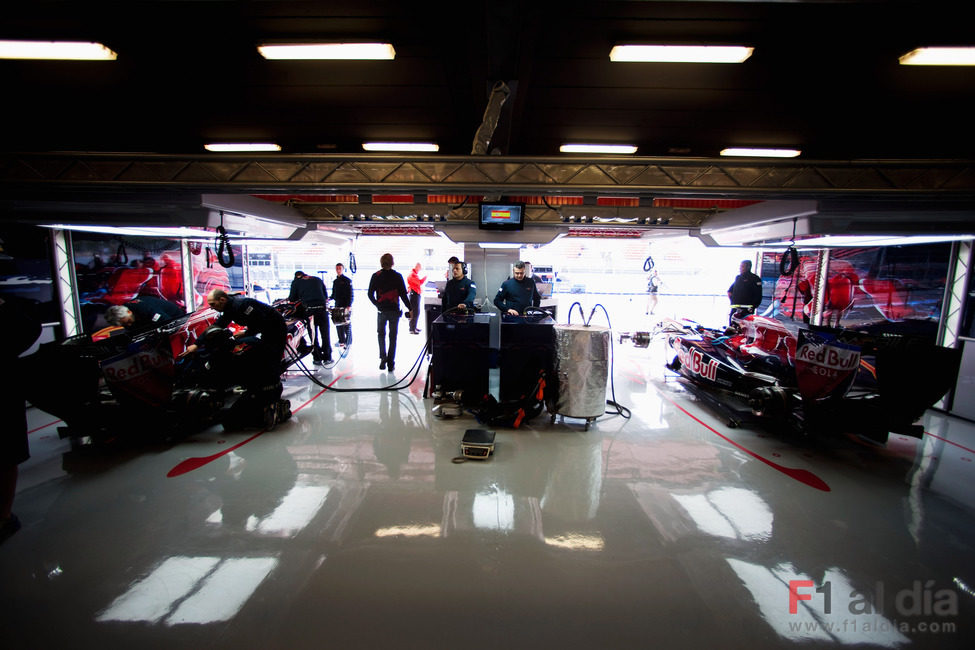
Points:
(502, 216)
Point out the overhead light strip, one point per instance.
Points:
(56, 51)
(400, 146)
(241, 146)
(939, 56)
(680, 53)
(758, 152)
(176, 232)
(598, 148)
(327, 51)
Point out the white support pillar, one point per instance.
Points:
(819, 291)
(953, 303)
(66, 282)
(189, 291)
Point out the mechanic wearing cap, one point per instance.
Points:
(460, 290)
(745, 293)
(143, 313)
(517, 293)
(310, 291)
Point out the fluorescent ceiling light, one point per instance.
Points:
(939, 56)
(177, 232)
(320, 51)
(400, 146)
(680, 53)
(842, 241)
(242, 146)
(598, 148)
(760, 153)
(498, 245)
(57, 50)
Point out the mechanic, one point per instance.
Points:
(386, 289)
(143, 313)
(460, 291)
(19, 329)
(266, 351)
(342, 296)
(310, 291)
(517, 293)
(745, 293)
(415, 284)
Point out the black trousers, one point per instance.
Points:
(414, 310)
(318, 318)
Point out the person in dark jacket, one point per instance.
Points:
(460, 290)
(517, 293)
(745, 293)
(142, 313)
(386, 289)
(309, 290)
(342, 296)
(19, 329)
(264, 357)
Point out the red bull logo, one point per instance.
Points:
(698, 363)
(826, 356)
(135, 366)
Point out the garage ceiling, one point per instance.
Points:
(824, 78)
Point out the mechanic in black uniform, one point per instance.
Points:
(143, 313)
(745, 293)
(386, 289)
(460, 290)
(263, 360)
(517, 294)
(310, 291)
(342, 296)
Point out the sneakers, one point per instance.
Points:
(382, 364)
(8, 527)
(390, 367)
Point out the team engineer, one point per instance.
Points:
(517, 293)
(143, 313)
(460, 290)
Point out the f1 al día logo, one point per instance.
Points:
(920, 599)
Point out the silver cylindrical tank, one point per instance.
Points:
(582, 367)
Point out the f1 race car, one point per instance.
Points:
(115, 386)
(815, 380)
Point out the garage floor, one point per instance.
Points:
(350, 527)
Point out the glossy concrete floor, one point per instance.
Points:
(350, 527)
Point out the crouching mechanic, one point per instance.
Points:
(143, 313)
(266, 334)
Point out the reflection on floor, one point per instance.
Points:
(350, 527)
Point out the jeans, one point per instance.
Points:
(392, 318)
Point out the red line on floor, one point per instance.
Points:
(43, 427)
(950, 442)
(801, 475)
(196, 462)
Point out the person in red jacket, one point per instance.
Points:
(415, 284)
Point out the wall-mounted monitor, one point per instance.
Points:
(502, 216)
